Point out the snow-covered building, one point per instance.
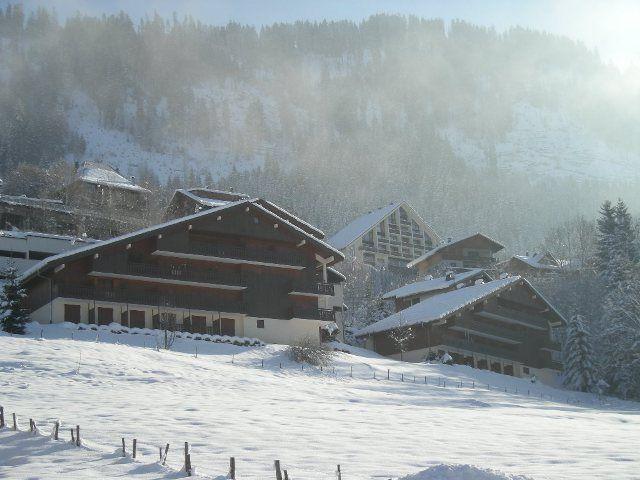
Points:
(418, 291)
(245, 268)
(187, 201)
(502, 325)
(54, 216)
(390, 236)
(101, 186)
(471, 251)
(538, 263)
(22, 250)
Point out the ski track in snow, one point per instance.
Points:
(225, 405)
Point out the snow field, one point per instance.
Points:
(225, 405)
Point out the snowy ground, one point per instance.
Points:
(226, 404)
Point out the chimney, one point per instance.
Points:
(133, 179)
(449, 276)
(448, 239)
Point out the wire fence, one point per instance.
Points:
(130, 449)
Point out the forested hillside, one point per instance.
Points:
(505, 133)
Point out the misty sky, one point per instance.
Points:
(611, 26)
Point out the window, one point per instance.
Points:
(525, 370)
(228, 326)
(136, 318)
(72, 313)
(105, 315)
(414, 301)
(260, 323)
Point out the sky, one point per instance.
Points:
(612, 27)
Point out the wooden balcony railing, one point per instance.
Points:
(313, 313)
(115, 265)
(195, 301)
(317, 288)
(254, 254)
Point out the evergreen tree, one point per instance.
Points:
(14, 315)
(606, 240)
(578, 356)
(619, 340)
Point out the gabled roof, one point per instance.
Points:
(102, 174)
(361, 225)
(210, 198)
(446, 304)
(129, 237)
(434, 284)
(496, 246)
(534, 261)
(216, 198)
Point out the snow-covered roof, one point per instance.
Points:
(450, 242)
(439, 306)
(101, 174)
(535, 261)
(21, 234)
(432, 284)
(47, 203)
(361, 225)
(211, 198)
(149, 230)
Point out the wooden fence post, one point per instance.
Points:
(232, 468)
(388, 373)
(187, 459)
(31, 424)
(276, 464)
(166, 452)
(56, 430)
(339, 473)
(135, 449)
(402, 377)
(1, 417)
(15, 423)
(73, 437)
(351, 371)
(78, 435)
(124, 450)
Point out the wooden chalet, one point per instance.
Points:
(187, 201)
(472, 251)
(246, 268)
(536, 264)
(416, 292)
(101, 186)
(502, 325)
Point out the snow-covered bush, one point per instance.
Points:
(305, 350)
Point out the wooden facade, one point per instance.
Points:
(473, 251)
(238, 269)
(512, 330)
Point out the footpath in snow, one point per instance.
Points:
(252, 403)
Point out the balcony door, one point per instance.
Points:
(228, 327)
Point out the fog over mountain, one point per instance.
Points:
(509, 133)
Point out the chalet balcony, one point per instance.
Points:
(507, 315)
(114, 267)
(482, 329)
(313, 313)
(477, 262)
(480, 348)
(195, 301)
(230, 253)
(312, 288)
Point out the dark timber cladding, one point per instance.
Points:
(240, 258)
(507, 319)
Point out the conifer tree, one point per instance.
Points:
(14, 315)
(578, 356)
